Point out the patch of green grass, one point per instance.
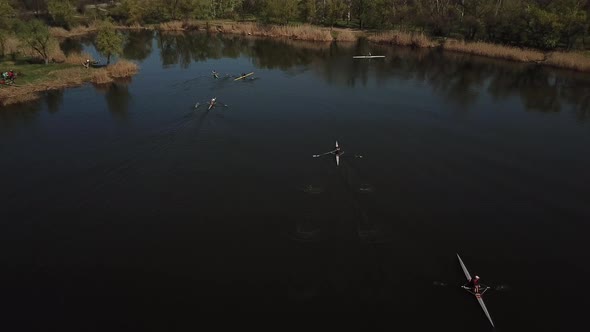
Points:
(31, 73)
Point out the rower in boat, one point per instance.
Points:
(336, 152)
(474, 284)
(215, 74)
(212, 103)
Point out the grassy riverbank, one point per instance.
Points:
(34, 79)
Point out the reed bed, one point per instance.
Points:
(134, 26)
(301, 32)
(80, 30)
(123, 68)
(101, 76)
(11, 45)
(345, 36)
(401, 38)
(171, 26)
(59, 32)
(84, 30)
(13, 95)
(78, 58)
(495, 51)
(573, 61)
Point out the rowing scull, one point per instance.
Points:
(244, 76)
(477, 295)
(368, 56)
(337, 155)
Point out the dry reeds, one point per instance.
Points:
(59, 32)
(298, 32)
(78, 58)
(15, 95)
(402, 39)
(494, 50)
(11, 45)
(134, 26)
(301, 32)
(345, 36)
(171, 26)
(101, 76)
(83, 30)
(574, 61)
(80, 30)
(123, 68)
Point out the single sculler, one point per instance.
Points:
(474, 288)
(337, 152)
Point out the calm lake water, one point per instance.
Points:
(124, 203)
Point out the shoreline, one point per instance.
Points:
(576, 61)
(40, 78)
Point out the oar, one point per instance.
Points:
(323, 154)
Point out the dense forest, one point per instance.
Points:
(543, 24)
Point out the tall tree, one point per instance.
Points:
(35, 34)
(334, 10)
(62, 12)
(572, 18)
(109, 42)
(308, 11)
(6, 13)
(281, 11)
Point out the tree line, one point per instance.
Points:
(544, 24)
(33, 32)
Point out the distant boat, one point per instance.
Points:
(243, 76)
(368, 56)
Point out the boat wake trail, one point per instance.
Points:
(144, 157)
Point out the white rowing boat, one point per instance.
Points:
(243, 76)
(368, 56)
(336, 152)
(337, 155)
(477, 295)
(211, 103)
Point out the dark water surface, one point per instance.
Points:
(124, 204)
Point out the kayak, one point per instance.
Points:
(368, 56)
(211, 103)
(477, 295)
(244, 76)
(337, 155)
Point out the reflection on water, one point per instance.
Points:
(459, 78)
(162, 194)
(138, 45)
(54, 99)
(118, 99)
(20, 114)
(76, 44)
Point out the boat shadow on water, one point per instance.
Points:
(353, 193)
